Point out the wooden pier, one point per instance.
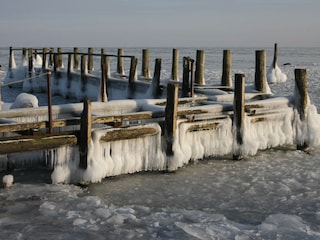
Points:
(211, 124)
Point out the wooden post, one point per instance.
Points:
(83, 72)
(51, 57)
(199, 78)
(76, 58)
(90, 60)
(85, 134)
(132, 76)
(44, 59)
(69, 64)
(30, 56)
(226, 69)
(302, 100)
(260, 74)
(171, 111)
(50, 129)
(11, 58)
(145, 63)
(103, 84)
(60, 60)
(102, 56)
(175, 64)
(156, 78)
(120, 65)
(275, 55)
(238, 116)
(191, 77)
(185, 77)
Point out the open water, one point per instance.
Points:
(272, 195)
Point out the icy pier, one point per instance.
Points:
(86, 142)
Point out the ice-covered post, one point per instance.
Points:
(44, 59)
(145, 63)
(69, 63)
(260, 72)
(120, 65)
(90, 60)
(83, 72)
(275, 55)
(11, 58)
(199, 78)
(60, 60)
(302, 100)
(30, 56)
(238, 116)
(49, 102)
(156, 78)
(76, 58)
(185, 77)
(226, 68)
(171, 111)
(85, 134)
(191, 78)
(175, 64)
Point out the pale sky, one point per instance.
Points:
(159, 23)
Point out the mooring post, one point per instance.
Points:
(120, 65)
(60, 59)
(107, 66)
(51, 57)
(171, 111)
(199, 78)
(85, 134)
(76, 58)
(275, 55)
(11, 58)
(90, 60)
(50, 128)
(30, 62)
(260, 72)
(226, 69)
(83, 72)
(185, 77)
(44, 59)
(102, 56)
(132, 76)
(301, 100)
(156, 78)
(191, 77)
(145, 72)
(238, 116)
(175, 64)
(103, 84)
(70, 67)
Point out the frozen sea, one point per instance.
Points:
(272, 195)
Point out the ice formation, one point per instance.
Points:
(25, 100)
(275, 75)
(7, 180)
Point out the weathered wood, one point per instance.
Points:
(30, 65)
(191, 77)
(175, 64)
(185, 77)
(275, 55)
(83, 72)
(128, 133)
(85, 134)
(76, 58)
(200, 62)
(171, 116)
(35, 143)
(132, 77)
(103, 84)
(44, 59)
(60, 58)
(90, 60)
(260, 72)
(145, 72)
(120, 62)
(226, 68)
(238, 117)
(156, 78)
(50, 130)
(11, 58)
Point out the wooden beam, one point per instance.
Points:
(128, 133)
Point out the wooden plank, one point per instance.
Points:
(128, 133)
(203, 126)
(34, 143)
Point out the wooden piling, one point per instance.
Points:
(30, 62)
(60, 58)
(44, 59)
(175, 64)
(11, 58)
(145, 72)
(70, 67)
(120, 62)
(85, 134)
(238, 117)
(200, 62)
(185, 77)
(260, 72)
(83, 72)
(226, 69)
(49, 95)
(171, 111)
(76, 58)
(191, 77)
(275, 55)
(103, 84)
(90, 60)
(132, 76)
(156, 78)
(102, 56)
